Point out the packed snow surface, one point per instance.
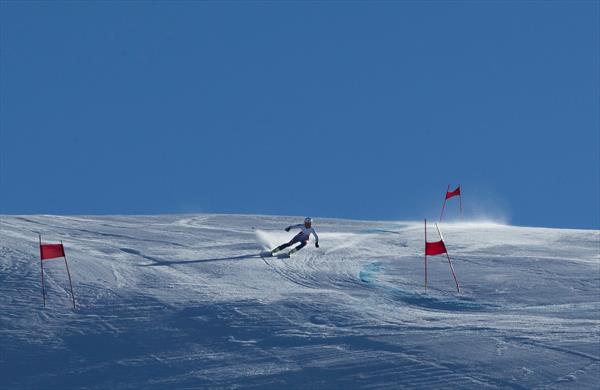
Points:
(188, 302)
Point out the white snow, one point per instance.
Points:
(187, 302)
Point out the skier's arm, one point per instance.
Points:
(287, 229)
(316, 237)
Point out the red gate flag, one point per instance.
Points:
(51, 251)
(456, 192)
(451, 194)
(438, 248)
(435, 248)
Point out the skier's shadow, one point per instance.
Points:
(159, 262)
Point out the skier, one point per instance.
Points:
(302, 237)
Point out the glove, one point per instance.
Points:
(317, 244)
(287, 229)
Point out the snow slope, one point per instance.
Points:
(186, 302)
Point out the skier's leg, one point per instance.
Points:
(287, 244)
(296, 249)
(280, 247)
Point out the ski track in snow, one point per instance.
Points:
(187, 301)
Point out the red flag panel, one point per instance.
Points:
(456, 192)
(435, 248)
(51, 251)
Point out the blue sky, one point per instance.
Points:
(359, 110)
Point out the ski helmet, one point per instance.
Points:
(308, 220)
